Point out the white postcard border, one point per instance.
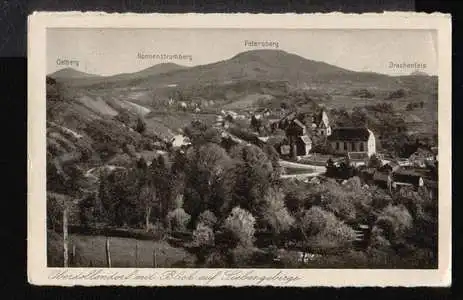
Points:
(40, 274)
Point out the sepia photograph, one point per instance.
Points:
(242, 148)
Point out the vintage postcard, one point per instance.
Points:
(239, 149)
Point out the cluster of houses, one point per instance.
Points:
(299, 132)
(392, 177)
(356, 145)
(417, 172)
(194, 106)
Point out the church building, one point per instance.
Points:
(352, 139)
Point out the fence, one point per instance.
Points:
(72, 261)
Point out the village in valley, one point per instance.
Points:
(174, 169)
(309, 145)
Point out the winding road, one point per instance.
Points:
(110, 168)
(312, 170)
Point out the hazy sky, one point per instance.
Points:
(112, 51)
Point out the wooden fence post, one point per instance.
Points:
(108, 253)
(65, 236)
(154, 258)
(136, 253)
(74, 255)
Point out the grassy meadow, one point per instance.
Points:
(90, 252)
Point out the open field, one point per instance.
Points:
(248, 101)
(168, 123)
(348, 102)
(90, 251)
(97, 105)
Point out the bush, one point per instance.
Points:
(340, 203)
(158, 230)
(400, 93)
(380, 199)
(203, 235)
(395, 221)
(313, 221)
(207, 218)
(290, 259)
(362, 93)
(178, 219)
(353, 184)
(55, 254)
(348, 201)
(200, 133)
(187, 262)
(241, 224)
(298, 196)
(216, 260)
(374, 162)
(141, 125)
(356, 259)
(275, 213)
(242, 256)
(323, 230)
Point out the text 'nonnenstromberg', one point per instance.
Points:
(163, 56)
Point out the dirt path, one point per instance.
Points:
(90, 172)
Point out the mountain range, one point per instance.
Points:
(70, 73)
(262, 65)
(78, 78)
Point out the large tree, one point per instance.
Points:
(254, 173)
(241, 224)
(274, 213)
(322, 229)
(394, 221)
(165, 186)
(207, 179)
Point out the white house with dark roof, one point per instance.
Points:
(352, 139)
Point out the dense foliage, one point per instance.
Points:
(233, 204)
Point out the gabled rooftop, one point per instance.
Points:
(320, 121)
(350, 134)
(306, 139)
